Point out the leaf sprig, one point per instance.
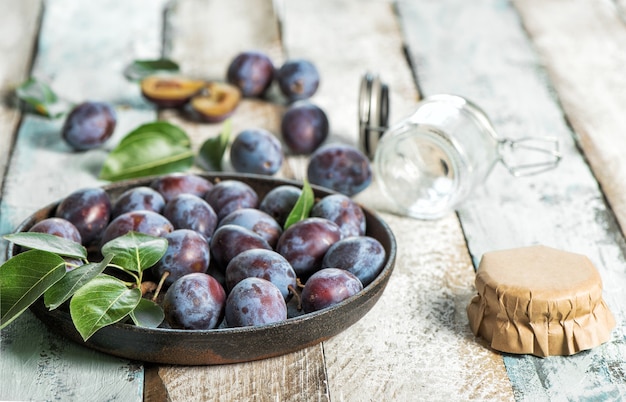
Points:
(96, 298)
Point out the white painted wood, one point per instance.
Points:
(480, 50)
(82, 50)
(575, 59)
(18, 29)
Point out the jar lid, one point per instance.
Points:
(373, 112)
(539, 300)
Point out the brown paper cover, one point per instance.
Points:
(539, 300)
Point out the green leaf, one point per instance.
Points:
(24, 278)
(303, 206)
(102, 301)
(42, 98)
(61, 291)
(153, 149)
(163, 128)
(140, 69)
(48, 242)
(135, 251)
(212, 151)
(147, 314)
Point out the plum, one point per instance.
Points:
(304, 127)
(340, 167)
(362, 256)
(89, 125)
(169, 91)
(256, 151)
(298, 79)
(328, 287)
(187, 252)
(188, 211)
(305, 243)
(253, 302)
(58, 227)
(257, 221)
(136, 199)
(170, 185)
(279, 202)
(230, 195)
(146, 222)
(217, 102)
(231, 240)
(342, 210)
(88, 209)
(261, 263)
(194, 301)
(252, 72)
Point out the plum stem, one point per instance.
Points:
(295, 292)
(160, 285)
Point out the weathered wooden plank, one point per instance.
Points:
(480, 50)
(82, 51)
(203, 37)
(18, 31)
(586, 68)
(415, 343)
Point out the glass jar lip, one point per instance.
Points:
(472, 109)
(433, 135)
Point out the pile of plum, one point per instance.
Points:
(230, 262)
(304, 126)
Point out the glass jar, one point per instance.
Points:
(430, 162)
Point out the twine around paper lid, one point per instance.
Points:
(539, 300)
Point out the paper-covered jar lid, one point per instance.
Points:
(539, 300)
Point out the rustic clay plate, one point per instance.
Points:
(224, 345)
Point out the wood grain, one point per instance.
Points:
(574, 61)
(82, 51)
(493, 63)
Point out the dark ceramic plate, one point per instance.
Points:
(224, 345)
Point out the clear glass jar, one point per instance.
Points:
(429, 163)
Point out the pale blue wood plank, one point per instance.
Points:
(479, 50)
(83, 49)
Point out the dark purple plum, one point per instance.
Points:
(253, 302)
(230, 195)
(59, 227)
(188, 211)
(173, 184)
(304, 127)
(137, 199)
(305, 243)
(231, 240)
(257, 221)
(327, 287)
(195, 301)
(362, 256)
(261, 263)
(256, 151)
(346, 213)
(252, 72)
(279, 202)
(187, 252)
(342, 168)
(298, 79)
(146, 222)
(89, 210)
(89, 125)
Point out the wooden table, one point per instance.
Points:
(537, 67)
